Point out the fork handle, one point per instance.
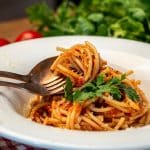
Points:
(9, 84)
(31, 87)
(16, 76)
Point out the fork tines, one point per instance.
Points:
(56, 85)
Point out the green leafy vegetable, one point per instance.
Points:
(68, 89)
(98, 87)
(84, 26)
(89, 87)
(82, 95)
(123, 76)
(100, 79)
(131, 93)
(109, 89)
(96, 17)
(127, 27)
(137, 14)
(118, 18)
(114, 80)
(102, 29)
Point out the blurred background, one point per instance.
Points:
(13, 9)
(13, 16)
(129, 19)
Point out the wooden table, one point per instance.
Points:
(11, 29)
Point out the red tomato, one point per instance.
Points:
(114, 112)
(26, 35)
(3, 42)
(80, 82)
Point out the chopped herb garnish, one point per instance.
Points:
(68, 89)
(100, 79)
(82, 95)
(114, 81)
(98, 87)
(131, 93)
(123, 76)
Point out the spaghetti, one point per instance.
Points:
(100, 113)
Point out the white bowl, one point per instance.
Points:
(22, 56)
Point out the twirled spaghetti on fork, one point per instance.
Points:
(97, 97)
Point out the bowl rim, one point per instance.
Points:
(25, 137)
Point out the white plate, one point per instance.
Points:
(21, 57)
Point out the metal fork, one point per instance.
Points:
(41, 80)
